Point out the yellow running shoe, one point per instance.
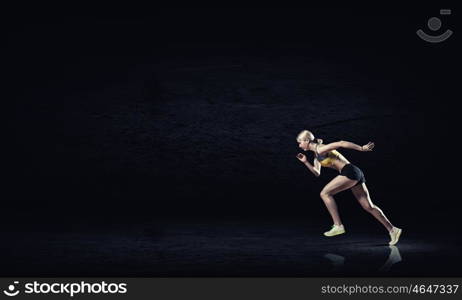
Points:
(395, 233)
(336, 230)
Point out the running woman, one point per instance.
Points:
(350, 177)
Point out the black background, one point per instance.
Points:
(128, 114)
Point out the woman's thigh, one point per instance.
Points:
(338, 184)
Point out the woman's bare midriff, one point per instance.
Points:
(339, 163)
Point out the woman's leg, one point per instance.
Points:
(362, 195)
(338, 184)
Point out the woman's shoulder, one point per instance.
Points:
(316, 149)
(319, 147)
(322, 155)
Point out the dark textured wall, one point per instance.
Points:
(196, 112)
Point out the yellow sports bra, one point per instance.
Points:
(328, 158)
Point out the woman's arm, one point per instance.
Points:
(344, 144)
(317, 166)
(316, 170)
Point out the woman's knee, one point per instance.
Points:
(324, 194)
(369, 207)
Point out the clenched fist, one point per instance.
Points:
(301, 157)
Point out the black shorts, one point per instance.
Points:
(353, 172)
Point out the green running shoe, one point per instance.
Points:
(395, 233)
(335, 230)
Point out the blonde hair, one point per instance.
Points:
(307, 135)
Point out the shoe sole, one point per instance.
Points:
(397, 238)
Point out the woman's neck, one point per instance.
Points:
(312, 147)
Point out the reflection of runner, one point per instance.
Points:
(351, 177)
(393, 258)
(337, 261)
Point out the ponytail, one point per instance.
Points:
(317, 141)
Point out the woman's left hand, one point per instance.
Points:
(368, 147)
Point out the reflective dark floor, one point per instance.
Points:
(224, 248)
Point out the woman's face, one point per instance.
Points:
(303, 145)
